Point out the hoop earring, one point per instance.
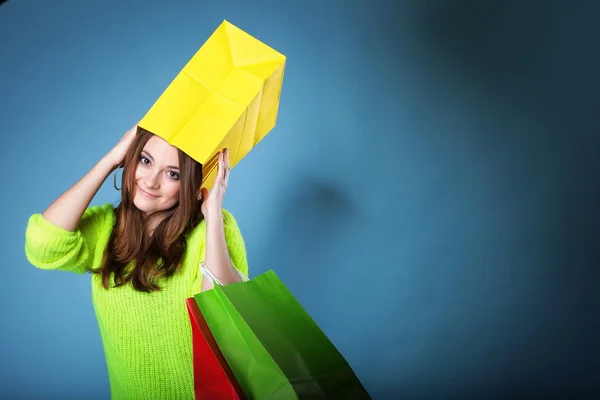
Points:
(115, 179)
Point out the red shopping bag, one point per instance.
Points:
(213, 378)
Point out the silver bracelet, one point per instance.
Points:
(208, 273)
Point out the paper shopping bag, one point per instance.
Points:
(253, 367)
(227, 95)
(213, 379)
(269, 315)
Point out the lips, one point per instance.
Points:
(146, 193)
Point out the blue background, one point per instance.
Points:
(429, 194)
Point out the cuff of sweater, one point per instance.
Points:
(43, 239)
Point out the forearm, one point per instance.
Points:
(217, 257)
(67, 210)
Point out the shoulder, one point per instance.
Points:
(230, 226)
(106, 211)
(228, 220)
(102, 216)
(233, 233)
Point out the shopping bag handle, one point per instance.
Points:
(207, 273)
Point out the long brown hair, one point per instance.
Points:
(158, 256)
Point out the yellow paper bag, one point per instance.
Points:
(227, 95)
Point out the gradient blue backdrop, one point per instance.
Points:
(429, 193)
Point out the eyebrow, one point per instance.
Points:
(152, 159)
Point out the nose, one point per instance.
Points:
(151, 181)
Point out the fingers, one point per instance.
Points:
(224, 167)
(132, 131)
(227, 166)
(219, 177)
(220, 184)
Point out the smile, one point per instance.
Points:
(146, 193)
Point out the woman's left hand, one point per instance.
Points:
(213, 201)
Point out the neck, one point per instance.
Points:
(153, 222)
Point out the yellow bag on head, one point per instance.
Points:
(227, 96)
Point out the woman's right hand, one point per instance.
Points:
(117, 153)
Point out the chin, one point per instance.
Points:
(142, 205)
(148, 206)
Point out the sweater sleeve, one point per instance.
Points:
(50, 247)
(235, 243)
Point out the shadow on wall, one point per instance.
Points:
(312, 213)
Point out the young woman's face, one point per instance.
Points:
(157, 177)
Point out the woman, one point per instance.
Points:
(144, 258)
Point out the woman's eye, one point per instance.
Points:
(144, 160)
(173, 175)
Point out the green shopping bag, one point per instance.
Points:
(255, 370)
(274, 348)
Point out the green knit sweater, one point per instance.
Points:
(146, 336)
